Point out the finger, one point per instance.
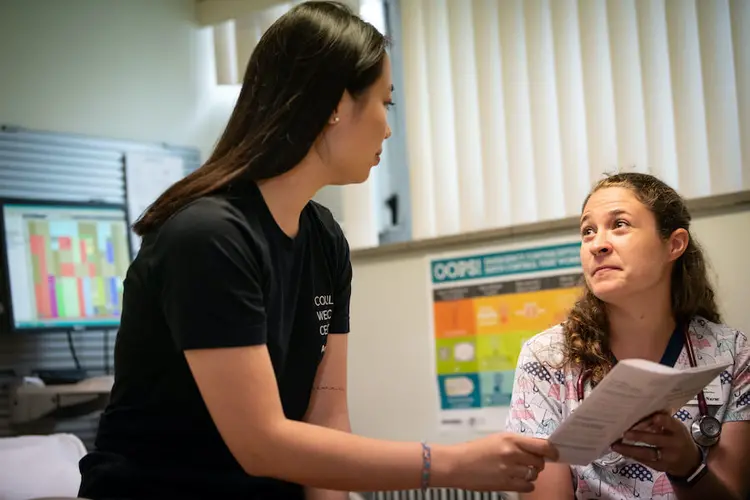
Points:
(659, 440)
(668, 422)
(643, 454)
(525, 459)
(649, 421)
(659, 424)
(522, 472)
(645, 426)
(518, 485)
(642, 424)
(540, 447)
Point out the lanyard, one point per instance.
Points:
(702, 405)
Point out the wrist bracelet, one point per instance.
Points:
(426, 466)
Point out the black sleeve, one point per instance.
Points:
(342, 285)
(211, 288)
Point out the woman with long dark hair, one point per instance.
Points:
(647, 295)
(230, 362)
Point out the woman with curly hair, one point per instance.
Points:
(647, 295)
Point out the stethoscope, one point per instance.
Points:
(706, 429)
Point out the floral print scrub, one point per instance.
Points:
(543, 396)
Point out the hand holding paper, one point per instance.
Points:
(633, 390)
(664, 444)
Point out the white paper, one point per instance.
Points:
(147, 176)
(633, 390)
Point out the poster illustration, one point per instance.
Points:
(485, 306)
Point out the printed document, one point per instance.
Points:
(633, 390)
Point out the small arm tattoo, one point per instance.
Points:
(328, 388)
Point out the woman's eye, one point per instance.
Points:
(621, 223)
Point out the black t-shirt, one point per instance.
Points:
(219, 273)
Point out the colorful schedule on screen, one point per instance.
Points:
(66, 264)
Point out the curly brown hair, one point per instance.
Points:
(586, 330)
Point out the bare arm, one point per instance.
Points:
(239, 389)
(328, 401)
(553, 483)
(727, 477)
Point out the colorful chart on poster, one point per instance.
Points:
(484, 308)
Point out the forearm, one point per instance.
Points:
(318, 494)
(339, 422)
(709, 486)
(547, 494)
(324, 458)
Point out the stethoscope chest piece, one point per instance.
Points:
(706, 430)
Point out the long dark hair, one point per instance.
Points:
(586, 330)
(295, 78)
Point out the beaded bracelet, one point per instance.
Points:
(426, 466)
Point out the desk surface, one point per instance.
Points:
(93, 385)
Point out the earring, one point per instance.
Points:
(335, 119)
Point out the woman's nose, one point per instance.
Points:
(600, 244)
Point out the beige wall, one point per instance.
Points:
(392, 382)
(132, 69)
(128, 69)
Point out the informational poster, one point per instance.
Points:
(484, 307)
(147, 176)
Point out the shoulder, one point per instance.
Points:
(204, 232)
(546, 347)
(206, 216)
(209, 221)
(326, 227)
(326, 221)
(718, 336)
(720, 343)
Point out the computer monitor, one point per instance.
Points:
(64, 264)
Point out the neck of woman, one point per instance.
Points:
(287, 194)
(642, 329)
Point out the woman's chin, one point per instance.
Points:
(607, 292)
(352, 176)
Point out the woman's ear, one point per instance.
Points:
(335, 115)
(678, 243)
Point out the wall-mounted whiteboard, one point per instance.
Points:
(147, 176)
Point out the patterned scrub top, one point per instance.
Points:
(544, 395)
